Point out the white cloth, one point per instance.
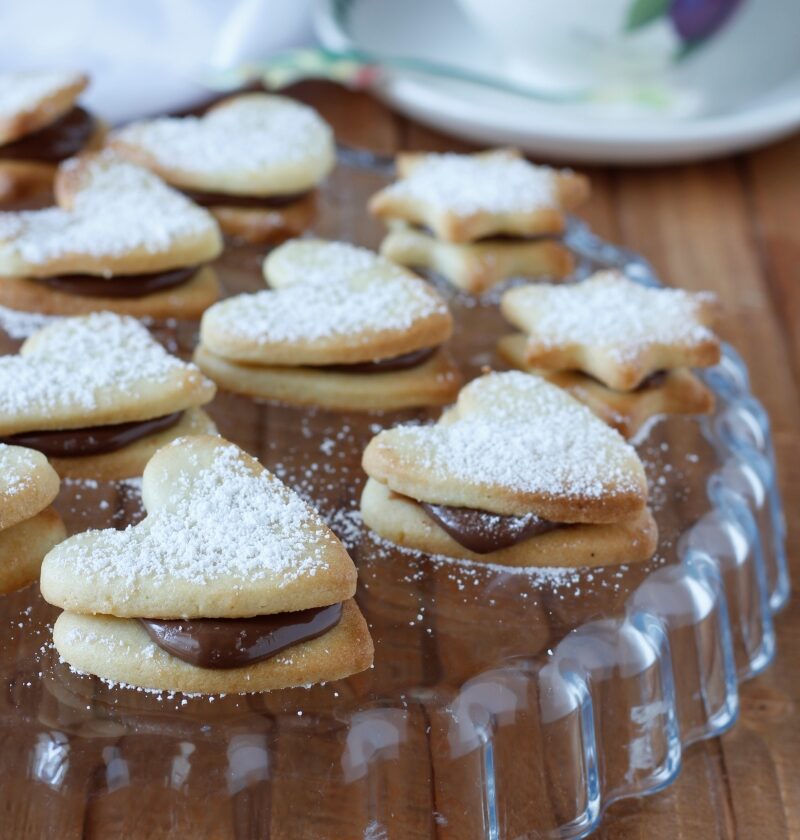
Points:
(149, 56)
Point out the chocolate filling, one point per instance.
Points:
(94, 440)
(404, 362)
(120, 285)
(482, 532)
(266, 202)
(234, 642)
(655, 380)
(55, 142)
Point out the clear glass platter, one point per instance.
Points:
(502, 704)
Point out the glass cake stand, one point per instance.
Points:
(503, 703)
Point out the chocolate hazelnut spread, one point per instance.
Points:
(235, 642)
(655, 380)
(482, 532)
(404, 362)
(267, 202)
(120, 285)
(94, 440)
(55, 142)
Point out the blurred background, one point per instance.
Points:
(618, 81)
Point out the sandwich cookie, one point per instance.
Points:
(41, 125)
(341, 328)
(255, 160)
(98, 395)
(517, 473)
(478, 219)
(120, 240)
(623, 349)
(475, 267)
(29, 527)
(230, 584)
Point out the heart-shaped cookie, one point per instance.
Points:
(331, 303)
(28, 527)
(254, 144)
(514, 445)
(97, 375)
(27, 484)
(223, 539)
(32, 100)
(113, 218)
(341, 327)
(517, 473)
(613, 328)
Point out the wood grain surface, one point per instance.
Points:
(732, 226)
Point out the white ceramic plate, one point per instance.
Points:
(750, 97)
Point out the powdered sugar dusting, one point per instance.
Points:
(75, 362)
(518, 431)
(466, 184)
(16, 468)
(608, 310)
(344, 291)
(17, 324)
(120, 208)
(220, 521)
(248, 133)
(23, 91)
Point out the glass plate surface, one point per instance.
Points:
(502, 704)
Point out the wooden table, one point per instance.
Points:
(731, 226)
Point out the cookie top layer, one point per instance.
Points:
(613, 328)
(32, 100)
(223, 537)
(463, 197)
(95, 370)
(113, 218)
(333, 303)
(27, 484)
(513, 445)
(254, 144)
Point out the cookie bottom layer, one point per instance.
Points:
(268, 224)
(24, 545)
(21, 180)
(402, 521)
(681, 392)
(435, 382)
(477, 266)
(119, 649)
(187, 301)
(130, 461)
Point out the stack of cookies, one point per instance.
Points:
(231, 584)
(340, 328)
(120, 240)
(254, 160)
(623, 349)
(98, 395)
(479, 219)
(29, 528)
(517, 473)
(41, 125)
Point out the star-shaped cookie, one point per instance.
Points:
(461, 198)
(613, 329)
(230, 584)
